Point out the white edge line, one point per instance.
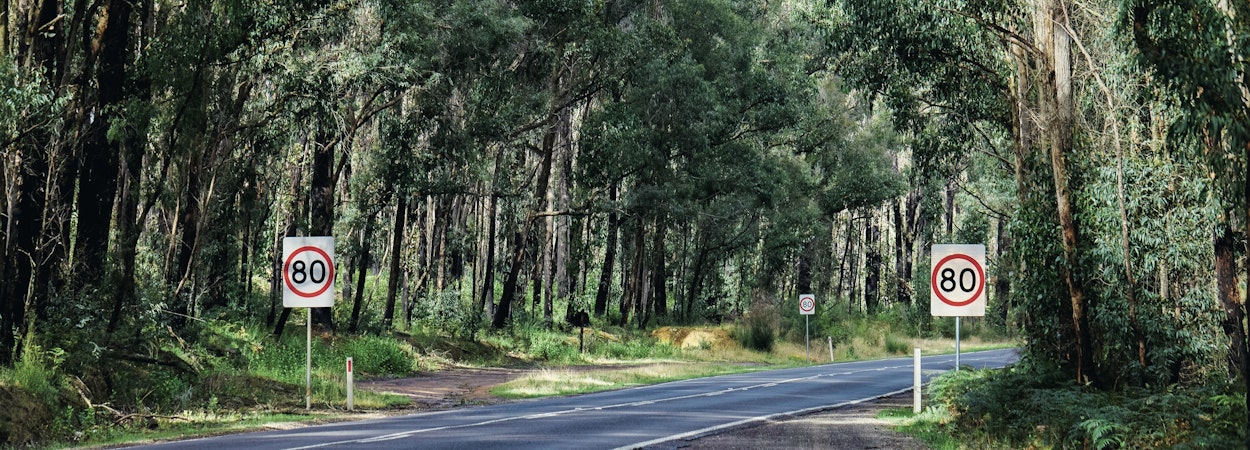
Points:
(712, 430)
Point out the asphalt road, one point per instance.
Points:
(627, 418)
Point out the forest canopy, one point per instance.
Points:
(484, 163)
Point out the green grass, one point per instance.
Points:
(243, 378)
(549, 382)
(928, 426)
(185, 427)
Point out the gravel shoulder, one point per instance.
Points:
(851, 427)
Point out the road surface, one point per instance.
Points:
(627, 418)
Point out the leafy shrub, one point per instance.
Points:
(550, 346)
(1031, 406)
(637, 348)
(374, 355)
(896, 345)
(755, 335)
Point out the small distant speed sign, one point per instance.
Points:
(807, 304)
(308, 272)
(958, 280)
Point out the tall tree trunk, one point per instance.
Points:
(97, 182)
(853, 268)
(659, 273)
(4, 47)
(901, 279)
(1058, 111)
(803, 271)
(609, 257)
(1243, 339)
(1002, 283)
(1230, 298)
(295, 211)
(518, 255)
(696, 278)
(25, 220)
(321, 207)
(848, 243)
(872, 264)
(397, 244)
(634, 296)
(38, 47)
(545, 272)
(486, 302)
(362, 273)
(563, 232)
(950, 210)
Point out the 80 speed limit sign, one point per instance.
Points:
(958, 280)
(307, 272)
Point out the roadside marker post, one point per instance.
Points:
(957, 284)
(830, 348)
(351, 398)
(308, 282)
(915, 408)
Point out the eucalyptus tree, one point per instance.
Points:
(572, 47)
(1197, 51)
(953, 69)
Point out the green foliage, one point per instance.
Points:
(1030, 404)
(548, 346)
(897, 346)
(445, 311)
(37, 372)
(756, 334)
(636, 349)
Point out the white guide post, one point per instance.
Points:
(916, 384)
(351, 398)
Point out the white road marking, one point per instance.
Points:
(410, 433)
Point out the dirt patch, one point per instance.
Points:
(447, 388)
(685, 337)
(852, 427)
(460, 386)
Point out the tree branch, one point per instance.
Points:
(1003, 32)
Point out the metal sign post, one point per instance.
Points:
(308, 362)
(957, 284)
(308, 282)
(807, 307)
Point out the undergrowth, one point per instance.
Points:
(1030, 406)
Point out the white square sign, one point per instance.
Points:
(957, 281)
(308, 272)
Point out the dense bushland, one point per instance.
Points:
(1038, 406)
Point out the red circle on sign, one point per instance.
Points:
(807, 303)
(286, 272)
(933, 284)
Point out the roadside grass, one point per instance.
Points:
(243, 379)
(928, 426)
(552, 382)
(678, 353)
(195, 424)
